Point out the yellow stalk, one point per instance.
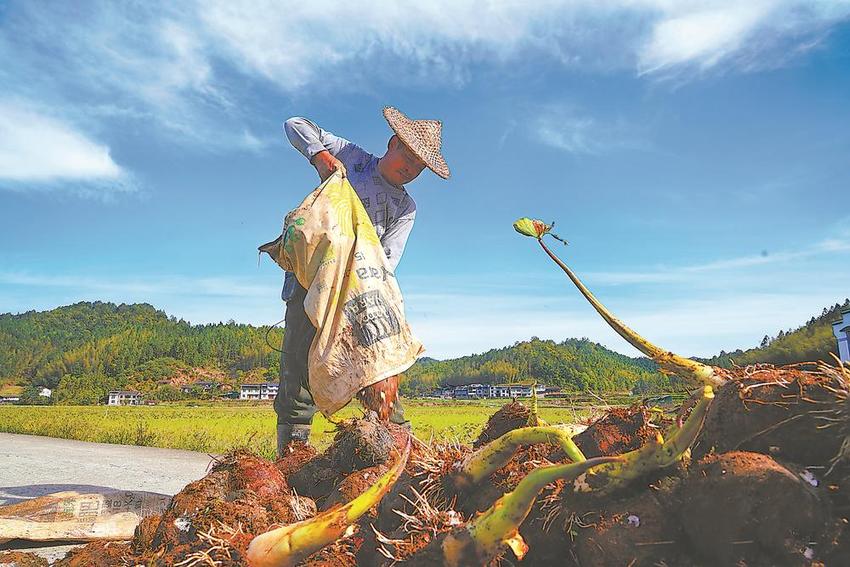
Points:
(653, 456)
(669, 363)
(289, 545)
(478, 466)
(485, 537)
(534, 415)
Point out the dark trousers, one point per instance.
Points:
(294, 403)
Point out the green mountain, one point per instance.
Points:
(83, 350)
(810, 342)
(574, 365)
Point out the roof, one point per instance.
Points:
(125, 392)
(259, 384)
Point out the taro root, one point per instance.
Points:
(777, 411)
(618, 431)
(295, 455)
(359, 444)
(288, 545)
(241, 490)
(745, 508)
(637, 530)
(487, 536)
(509, 417)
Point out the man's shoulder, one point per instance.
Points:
(355, 158)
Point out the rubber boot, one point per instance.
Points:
(287, 432)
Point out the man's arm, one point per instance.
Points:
(395, 238)
(317, 145)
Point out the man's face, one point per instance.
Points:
(401, 165)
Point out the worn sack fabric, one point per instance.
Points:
(80, 516)
(353, 300)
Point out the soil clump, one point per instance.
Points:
(509, 417)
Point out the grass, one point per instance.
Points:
(219, 428)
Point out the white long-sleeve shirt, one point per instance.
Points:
(391, 208)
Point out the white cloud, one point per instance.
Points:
(36, 147)
(732, 267)
(744, 35)
(565, 127)
(702, 37)
(191, 68)
(208, 286)
(465, 323)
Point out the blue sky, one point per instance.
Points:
(695, 154)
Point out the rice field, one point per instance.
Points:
(222, 427)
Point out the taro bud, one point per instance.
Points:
(531, 227)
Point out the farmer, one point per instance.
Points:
(379, 182)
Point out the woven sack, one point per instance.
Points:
(353, 300)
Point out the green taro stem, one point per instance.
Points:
(496, 454)
(499, 525)
(289, 545)
(669, 363)
(651, 457)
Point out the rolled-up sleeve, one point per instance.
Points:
(395, 238)
(306, 137)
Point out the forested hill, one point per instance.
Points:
(83, 350)
(807, 343)
(574, 364)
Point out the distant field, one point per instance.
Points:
(219, 428)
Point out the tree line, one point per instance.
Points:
(82, 351)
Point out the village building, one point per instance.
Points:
(479, 391)
(841, 330)
(203, 386)
(258, 391)
(124, 398)
(45, 392)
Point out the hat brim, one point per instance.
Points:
(402, 126)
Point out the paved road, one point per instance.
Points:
(33, 461)
(33, 466)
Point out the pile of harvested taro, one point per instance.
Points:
(751, 476)
(752, 470)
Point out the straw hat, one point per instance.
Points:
(422, 137)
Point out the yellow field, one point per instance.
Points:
(219, 428)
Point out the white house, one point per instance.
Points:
(841, 330)
(45, 392)
(516, 390)
(260, 391)
(124, 398)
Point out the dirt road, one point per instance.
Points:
(33, 466)
(31, 462)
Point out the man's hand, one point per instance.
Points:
(326, 164)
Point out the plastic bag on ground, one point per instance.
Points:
(79, 516)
